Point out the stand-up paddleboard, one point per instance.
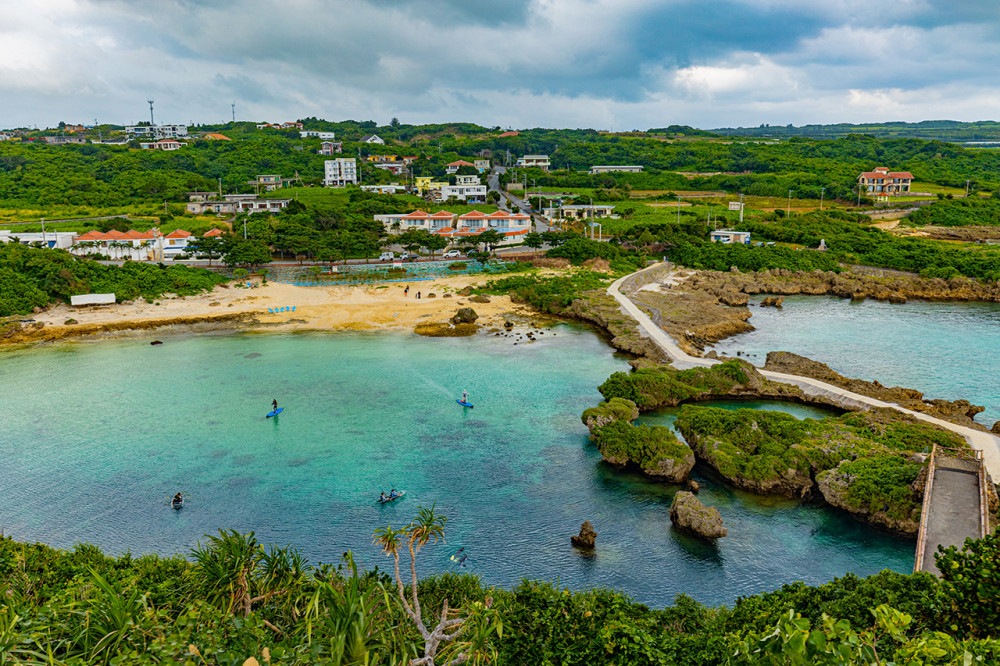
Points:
(463, 403)
(276, 412)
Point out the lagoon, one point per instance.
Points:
(97, 436)
(945, 350)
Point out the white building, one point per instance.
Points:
(51, 239)
(453, 167)
(372, 138)
(513, 226)
(325, 136)
(594, 170)
(728, 236)
(583, 211)
(157, 131)
(533, 161)
(236, 203)
(394, 188)
(340, 172)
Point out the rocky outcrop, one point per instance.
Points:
(834, 485)
(599, 308)
(479, 298)
(956, 411)
(772, 301)
(730, 297)
(653, 449)
(436, 329)
(689, 515)
(616, 409)
(465, 316)
(587, 537)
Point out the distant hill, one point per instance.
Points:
(940, 130)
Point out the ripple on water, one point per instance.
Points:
(516, 481)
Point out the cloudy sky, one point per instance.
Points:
(607, 64)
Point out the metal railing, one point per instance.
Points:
(918, 561)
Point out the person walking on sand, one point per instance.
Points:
(418, 295)
(406, 291)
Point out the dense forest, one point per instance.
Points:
(940, 130)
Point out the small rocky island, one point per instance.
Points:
(689, 515)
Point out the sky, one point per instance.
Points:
(604, 64)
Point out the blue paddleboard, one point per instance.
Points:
(276, 412)
(464, 404)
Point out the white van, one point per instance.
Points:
(386, 256)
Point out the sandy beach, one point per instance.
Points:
(330, 308)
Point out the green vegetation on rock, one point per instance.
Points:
(663, 386)
(655, 449)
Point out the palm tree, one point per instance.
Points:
(426, 528)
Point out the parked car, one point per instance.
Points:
(409, 256)
(452, 254)
(386, 256)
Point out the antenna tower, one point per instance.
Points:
(151, 121)
(234, 111)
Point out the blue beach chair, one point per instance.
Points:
(293, 308)
(271, 310)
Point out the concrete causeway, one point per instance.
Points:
(952, 509)
(986, 442)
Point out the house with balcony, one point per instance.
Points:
(482, 166)
(157, 131)
(453, 167)
(880, 183)
(51, 239)
(340, 172)
(533, 162)
(330, 148)
(395, 168)
(579, 212)
(324, 136)
(270, 183)
(162, 144)
(512, 226)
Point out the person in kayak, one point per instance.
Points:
(178, 498)
(382, 496)
(274, 404)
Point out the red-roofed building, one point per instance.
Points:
(444, 223)
(212, 233)
(453, 167)
(882, 183)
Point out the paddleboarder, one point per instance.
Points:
(465, 396)
(274, 405)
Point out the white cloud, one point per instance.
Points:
(600, 63)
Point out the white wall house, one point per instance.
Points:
(340, 172)
(157, 131)
(728, 236)
(330, 148)
(453, 167)
(326, 136)
(583, 211)
(534, 161)
(512, 226)
(594, 170)
(51, 239)
(372, 138)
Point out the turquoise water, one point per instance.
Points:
(97, 436)
(945, 350)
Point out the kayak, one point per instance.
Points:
(391, 497)
(463, 403)
(275, 412)
(177, 504)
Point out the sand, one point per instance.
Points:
(367, 307)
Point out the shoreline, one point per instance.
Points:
(320, 308)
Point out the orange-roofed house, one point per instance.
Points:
(453, 167)
(131, 244)
(215, 136)
(881, 183)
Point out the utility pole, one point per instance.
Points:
(967, 188)
(234, 110)
(43, 232)
(741, 208)
(151, 122)
(678, 210)
(788, 210)
(822, 191)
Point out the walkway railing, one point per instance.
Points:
(925, 512)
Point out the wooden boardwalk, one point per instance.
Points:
(955, 504)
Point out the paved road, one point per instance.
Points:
(953, 509)
(512, 203)
(988, 443)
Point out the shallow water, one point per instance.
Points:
(97, 436)
(946, 350)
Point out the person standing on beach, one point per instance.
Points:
(406, 291)
(418, 295)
